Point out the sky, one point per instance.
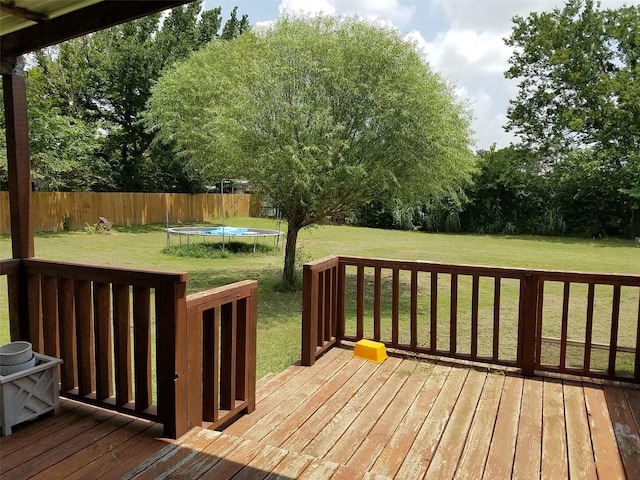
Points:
(462, 39)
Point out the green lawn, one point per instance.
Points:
(279, 313)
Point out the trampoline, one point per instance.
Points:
(223, 232)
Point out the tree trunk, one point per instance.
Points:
(289, 272)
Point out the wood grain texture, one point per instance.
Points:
(554, 437)
(415, 418)
(528, 445)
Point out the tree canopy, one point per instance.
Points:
(87, 95)
(320, 114)
(578, 70)
(578, 110)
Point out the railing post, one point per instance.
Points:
(173, 351)
(251, 347)
(309, 311)
(528, 323)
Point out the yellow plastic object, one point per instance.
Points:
(370, 350)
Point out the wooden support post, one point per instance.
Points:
(309, 311)
(19, 173)
(528, 323)
(174, 384)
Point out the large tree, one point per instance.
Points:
(321, 114)
(578, 107)
(578, 71)
(102, 82)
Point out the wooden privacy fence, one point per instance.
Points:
(82, 208)
(565, 322)
(118, 330)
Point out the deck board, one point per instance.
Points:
(417, 460)
(444, 462)
(359, 429)
(605, 451)
(528, 445)
(579, 448)
(503, 443)
(341, 421)
(476, 448)
(380, 434)
(299, 438)
(346, 418)
(393, 454)
(625, 429)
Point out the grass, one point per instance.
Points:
(280, 312)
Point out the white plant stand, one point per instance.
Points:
(30, 393)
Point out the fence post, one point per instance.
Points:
(309, 311)
(528, 319)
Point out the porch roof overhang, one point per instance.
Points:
(28, 25)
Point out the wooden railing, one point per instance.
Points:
(532, 319)
(227, 318)
(113, 327)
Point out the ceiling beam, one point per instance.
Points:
(23, 12)
(80, 22)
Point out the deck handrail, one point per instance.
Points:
(226, 318)
(102, 321)
(325, 297)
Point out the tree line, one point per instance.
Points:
(95, 124)
(576, 168)
(86, 98)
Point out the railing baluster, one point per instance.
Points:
(84, 336)
(66, 314)
(102, 318)
(210, 359)
(453, 315)
(586, 365)
(538, 336)
(122, 343)
(320, 318)
(377, 288)
(242, 351)
(327, 304)
(613, 343)
(496, 319)
(341, 302)
(228, 348)
(35, 312)
(414, 310)
(395, 302)
(142, 347)
(475, 290)
(434, 311)
(50, 326)
(565, 324)
(360, 302)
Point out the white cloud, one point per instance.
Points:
(316, 7)
(390, 11)
(495, 15)
(467, 52)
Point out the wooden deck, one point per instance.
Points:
(346, 418)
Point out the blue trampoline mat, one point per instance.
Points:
(226, 231)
